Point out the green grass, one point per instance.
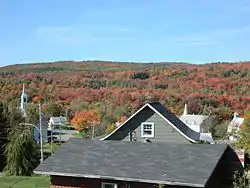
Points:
(77, 135)
(24, 182)
(47, 147)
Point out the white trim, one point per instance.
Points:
(171, 123)
(124, 122)
(105, 183)
(153, 130)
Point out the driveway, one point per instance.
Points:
(64, 134)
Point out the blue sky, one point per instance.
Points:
(195, 31)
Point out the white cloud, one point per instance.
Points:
(82, 34)
(211, 37)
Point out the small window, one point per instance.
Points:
(109, 185)
(147, 129)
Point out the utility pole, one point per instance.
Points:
(93, 131)
(41, 132)
(51, 138)
(60, 124)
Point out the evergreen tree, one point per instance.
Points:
(21, 152)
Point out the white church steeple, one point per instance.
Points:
(24, 101)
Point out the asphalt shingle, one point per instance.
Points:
(179, 164)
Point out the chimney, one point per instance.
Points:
(185, 112)
(150, 99)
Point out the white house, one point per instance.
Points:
(192, 120)
(234, 126)
(195, 122)
(57, 121)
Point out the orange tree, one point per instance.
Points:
(85, 119)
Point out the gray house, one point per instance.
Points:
(154, 123)
(114, 164)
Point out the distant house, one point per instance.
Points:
(57, 121)
(44, 130)
(114, 164)
(234, 127)
(154, 123)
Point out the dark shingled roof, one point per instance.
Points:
(176, 121)
(176, 164)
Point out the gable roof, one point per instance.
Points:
(58, 120)
(172, 164)
(169, 117)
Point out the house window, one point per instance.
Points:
(109, 185)
(147, 129)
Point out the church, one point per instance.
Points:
(24, 102)
(23, 108)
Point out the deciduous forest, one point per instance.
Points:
(116, 89)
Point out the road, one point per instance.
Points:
(65, 134)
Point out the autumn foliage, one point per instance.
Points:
(84, 119)
(122, 119)
(116, 89)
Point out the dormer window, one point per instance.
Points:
(147, 129)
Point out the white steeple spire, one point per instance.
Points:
(24, 101)
(185, 112)
(24, 91)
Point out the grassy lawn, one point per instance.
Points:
(77, 135)
(47, 147)
(24, 182)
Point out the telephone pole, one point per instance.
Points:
(41, 132)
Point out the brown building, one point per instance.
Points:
(82, 163)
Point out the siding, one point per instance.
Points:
(73, 182)
(163, 132)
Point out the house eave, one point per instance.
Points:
(194, 141)
(119, 178)
(124, 122)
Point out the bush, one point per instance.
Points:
(140, 75)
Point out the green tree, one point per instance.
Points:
(54, 109)
(21, 152)
(219, 131)
(3, 120)
(239, 180)
(32, 111)
(9, 117)
(243, 141)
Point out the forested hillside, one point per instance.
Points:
(116, 89)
